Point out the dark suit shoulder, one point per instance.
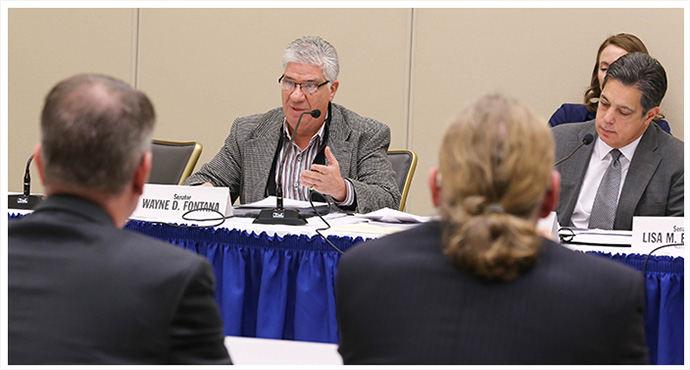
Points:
(667, 142)
(587, 266)
(401, 248)
(428, 231)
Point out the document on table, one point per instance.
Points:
(367, 228)
(394, 216)
(381, 222)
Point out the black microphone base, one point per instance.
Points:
(23, 202)
(279, 217)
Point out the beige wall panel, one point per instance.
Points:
(543, 57)
(46, 46)
(205, 67)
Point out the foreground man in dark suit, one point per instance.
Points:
(651, 161)
(480, 286)
(81, 290)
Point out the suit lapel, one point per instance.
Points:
(574, 172)
(260, 152)
(642, 167)
(339, 141)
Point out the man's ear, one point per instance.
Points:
(39, 162)
(649, 116)
(334, 88)
(141, 175)
(551, 197)
(435, 186)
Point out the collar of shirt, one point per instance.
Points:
(296, 160)
(601, 149)
(319, 134)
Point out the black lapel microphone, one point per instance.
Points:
(280, 215)
(27, 177)
(279, 188)
(26, 200)
(585, 141)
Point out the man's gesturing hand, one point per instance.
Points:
(326, 179)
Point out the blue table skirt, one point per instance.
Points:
(283, 287)
(267, 286)
(664, 315)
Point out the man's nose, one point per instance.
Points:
(610, 117)
(297, 93)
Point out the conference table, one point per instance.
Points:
(277, 282)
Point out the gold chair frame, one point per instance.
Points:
(410, 173)
(191, 161)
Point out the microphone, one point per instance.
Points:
(27, 177)
(279, 186)
(25, 200)
(280, 215)
(585, 141)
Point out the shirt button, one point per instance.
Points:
(296, 185)
(299, 158)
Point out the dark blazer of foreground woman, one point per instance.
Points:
(82, 291)
(400, 300)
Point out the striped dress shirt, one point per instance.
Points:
(298, 160)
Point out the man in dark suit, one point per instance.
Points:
(339, 154)
(650, 174)
(80, 289)
(480, 286)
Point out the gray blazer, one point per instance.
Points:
(244, 163)
(654, 184)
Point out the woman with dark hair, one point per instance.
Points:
(610, 50)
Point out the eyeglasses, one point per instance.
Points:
(306, 87)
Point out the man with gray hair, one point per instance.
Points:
(338, 154)
(633, 168)
(80, 289)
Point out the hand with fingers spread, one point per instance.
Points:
(326, 179)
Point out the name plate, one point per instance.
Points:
(549, 225)
(169, 202)
(652, 232)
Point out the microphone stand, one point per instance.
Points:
(280, 215)
(25, 200)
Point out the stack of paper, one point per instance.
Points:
(394, 216)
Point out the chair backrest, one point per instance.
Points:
(173, 161)
(404, 164)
